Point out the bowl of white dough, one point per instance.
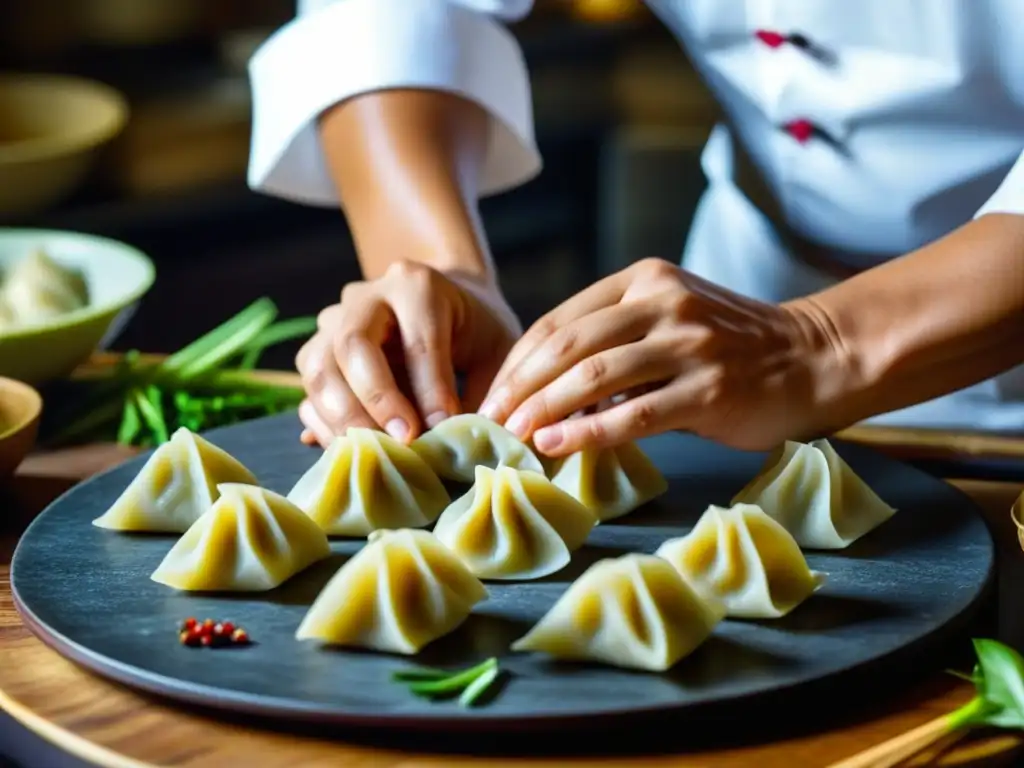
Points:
(63, 295)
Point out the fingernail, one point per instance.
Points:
(518, 425)
(547, 439)
(491, 407)
(398, 429)
(436, 418)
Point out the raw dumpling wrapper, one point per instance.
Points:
(611, 482)
(633, 611)
(367, 480)
(37, 289)
(175, 486)
(815, 495)
(404, 589)
(252, 540)
(743, 558)
(514, 524)
(458, 445)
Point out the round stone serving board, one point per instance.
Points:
(910, 585)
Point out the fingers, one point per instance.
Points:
(330, 407)
(316, 430)
(643, 416)
(425, 326)
(600, 295)
(572, 343)
(591, 381)
(358, 350)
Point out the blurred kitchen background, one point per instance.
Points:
(620, 119)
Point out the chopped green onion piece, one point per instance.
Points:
(453, 684)
(152, 416)
(479, 687)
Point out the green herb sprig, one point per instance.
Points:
(998, 677)
(206, 384)
(468, 684)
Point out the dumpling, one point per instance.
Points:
(37, 288)
(514, 524)
(611, 482)
(459, 444)
(815, 495)
(633, 611)
(367, 480)
(175, 486)
(404, 589)
(252, 540)
(744, 559)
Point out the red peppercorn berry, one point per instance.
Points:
(770, 38)
(211, 634)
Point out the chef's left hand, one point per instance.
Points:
(687, 355)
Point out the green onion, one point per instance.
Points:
(204, 385)
(998, 678)
(469, 684)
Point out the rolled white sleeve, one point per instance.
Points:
(1009, 196)
(336, 49)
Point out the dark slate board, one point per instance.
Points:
(908, 586)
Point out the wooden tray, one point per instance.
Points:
(903, 591)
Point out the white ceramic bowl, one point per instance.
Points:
(117, 276)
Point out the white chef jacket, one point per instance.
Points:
(877, 125)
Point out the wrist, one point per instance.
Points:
(833, 368)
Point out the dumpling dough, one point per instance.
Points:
(404, 589)
(611, 482)
(514, 524)
(367, 480)
(175, 487)
(815, 495)
(37, 289)
(252, 540)
(456, 446)
(744, 559)
(633, 611)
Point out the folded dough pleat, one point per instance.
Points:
(251, 540)
(456, 446)
(633, 611)
(744, 559)
(401, 591)
(367, 480)
(816, 496)
(176, 485)
(611, 482)
(514, 524)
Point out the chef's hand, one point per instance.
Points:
(671, 351)
(386, 355)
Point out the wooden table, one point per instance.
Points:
(105, 724)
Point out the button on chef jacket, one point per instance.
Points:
(877, 126)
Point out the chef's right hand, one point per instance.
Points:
(385, 357)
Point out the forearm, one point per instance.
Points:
(939, 319)
(406, 164)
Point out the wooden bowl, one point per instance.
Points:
(20, 408)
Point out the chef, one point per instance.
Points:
(858, 254)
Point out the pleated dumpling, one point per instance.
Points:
(367, 480)
(175, 486)
(611, 482)
(633, 611)
(816, 496)
(252, 540)
(514, 524)
(743, 558)
(401, 591)
(458, 445)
